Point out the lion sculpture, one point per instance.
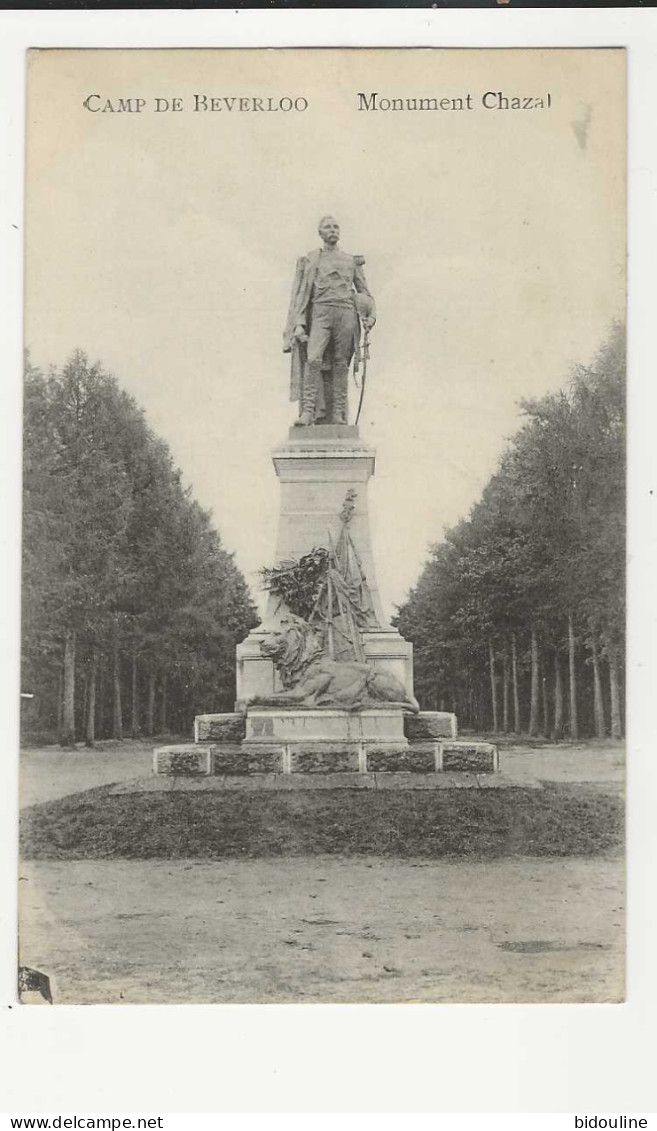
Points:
(310, 679)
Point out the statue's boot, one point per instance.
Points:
(340, 384)
(309, 396)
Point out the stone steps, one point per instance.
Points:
(291, 783)
(230, 759)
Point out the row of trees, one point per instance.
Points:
(131, 607)
(518, 616)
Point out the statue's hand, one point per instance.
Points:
(300, 334)
(368, 323)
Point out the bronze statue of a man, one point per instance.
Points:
(330, 299)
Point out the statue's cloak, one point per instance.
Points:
(299, 314)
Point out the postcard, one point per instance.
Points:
(323, 647)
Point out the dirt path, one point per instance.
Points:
(325, 930)
(48, 773)
(597, 762)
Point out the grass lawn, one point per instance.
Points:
(557, 821)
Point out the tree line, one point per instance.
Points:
(518, 617)
(131, 606)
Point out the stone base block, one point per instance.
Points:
(313, 432)
(421, 758)
(469, 757)
(323, 726)
(333, 758)
(236, 761)
(255, 674)
(219, 728)
(430, 724)
(184, 760)
(387, 651)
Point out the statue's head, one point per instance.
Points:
(329, 230)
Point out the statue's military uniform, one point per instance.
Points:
(323, 302)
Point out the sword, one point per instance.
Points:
(366, 354)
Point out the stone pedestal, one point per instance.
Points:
(316, 467)
(428, 725)
(325, 740)
(325, 725)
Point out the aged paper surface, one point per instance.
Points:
(168, 196)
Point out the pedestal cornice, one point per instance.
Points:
(324, 442)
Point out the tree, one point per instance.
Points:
(536, 572)
(123, 572)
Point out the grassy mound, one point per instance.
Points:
(571, 820)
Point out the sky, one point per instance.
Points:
(164, 244)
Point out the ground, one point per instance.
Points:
(324, 927)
